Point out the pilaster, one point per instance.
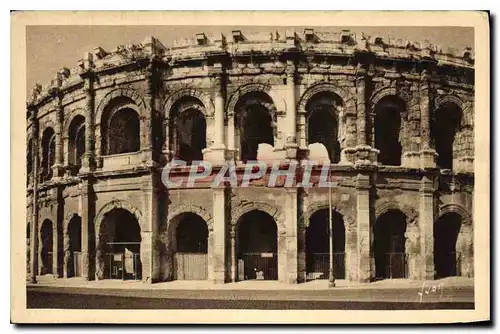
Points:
(86, 213)
(426, 223)
(291, 235)
(427, 154)
(217, 154)
(88, 158)
(150, 255)
(291, 146)
(365, 154)
(217, 254)
(364, 232)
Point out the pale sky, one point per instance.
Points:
(49, 48)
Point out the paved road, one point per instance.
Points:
(80, 298)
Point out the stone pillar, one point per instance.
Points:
(57, 168)
(426, 223)
(147, 135)
(150, 254)
(34, 206)
(88, 158)
(427, 154)
(232, 249)
(365, 154)
(217, 153)
(364, 230)
(66, 249)
(87, 221)
(291, 113)
(361, 107)
(217, 253)
(291, 235)
(230, 132)
(351, 253)
(56, 237)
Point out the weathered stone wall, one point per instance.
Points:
(215, 73)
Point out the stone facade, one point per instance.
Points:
(72, 173)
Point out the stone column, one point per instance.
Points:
(57, 168)
(87, 221)
(217, 253)
(233, 259)
(34, 206)
(217, 153)
(291, 235)
(88, 158)
(365, 154)
(291, 113)
(364, 230)
(426, 223)
(150, 254)
(361, 107)
(147, 135)
(230, 132)
(427, 154)
(66, 249)
(56, 238)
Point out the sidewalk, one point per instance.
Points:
(450, 282)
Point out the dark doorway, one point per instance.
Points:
(121, 241)
(446, 258)
(389, 245)
(47, 249)
(444, 128)
(191, 260)
(323, 123)
(74, 265)
(192, 136)
(318, 246)
(388, 113)
(257, 247)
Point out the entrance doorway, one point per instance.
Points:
(47, 242)
(120, 241)
(191, 259)
(74, 265)
(389, 246)
(446, 257)
(257, 247)
(318, 246)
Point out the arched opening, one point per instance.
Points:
(255, 123)
(389, 245)
(46, 233)
(444, 129)
(76, 144)
(123, 132)
(318, 246)
(322, 122)
(446, 257)
(388, 115)
(120, 242)
(187, 129)
(192, 135)
(48, 153)
(191, 247)
(257, 246)
(74, 264)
